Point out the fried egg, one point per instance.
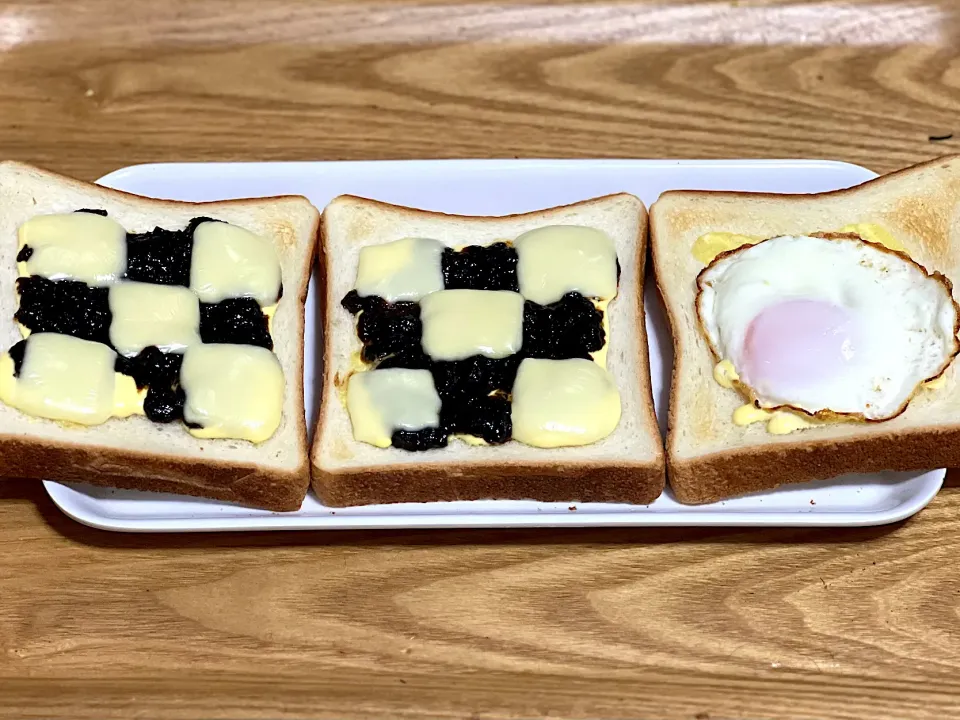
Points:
(827, 324)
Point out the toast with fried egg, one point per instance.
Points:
(841, 313)
(133, 452)
(625, 466)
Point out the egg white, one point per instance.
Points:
(906, 320)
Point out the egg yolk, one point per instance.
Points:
(797, 344)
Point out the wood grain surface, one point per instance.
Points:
(682, 623)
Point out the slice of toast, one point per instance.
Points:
(626, 466)
(136, 453)
(711, 458)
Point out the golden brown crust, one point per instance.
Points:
(718, 476)
(638, 485)
(146, 202)
(802, 197)
(418, 213)
(240, 482)
(601, 481)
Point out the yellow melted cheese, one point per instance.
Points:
(725, 374)
(558, 403)
(128, 398)
(145, 314)
(779, 422)
(69, 380)
(233, 391)
(230, 262)
(557, 259)
(79, 246)
(402, 270)
(600, 356)
(458, 324)
(470, 439)
(380, 402)
(708, 246)
(270, 311)
(875, 234)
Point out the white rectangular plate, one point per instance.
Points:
(497, 187)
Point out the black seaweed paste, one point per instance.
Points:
(474, 393)
(67, 307)
(161, 256)
(480, 267)
(158, 256)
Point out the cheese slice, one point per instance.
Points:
(563, 402)
(558, 259)
(460, 323)
(75, 246)
(382, 401)
(229, 262)
(62, 378)
(127, 397)
(232, 391)
(145, 314)
(402, 270)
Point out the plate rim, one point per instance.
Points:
(60, 494)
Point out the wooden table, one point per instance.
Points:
(677, 623)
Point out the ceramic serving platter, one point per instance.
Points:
(497, 187)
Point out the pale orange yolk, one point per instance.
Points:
(796, 345)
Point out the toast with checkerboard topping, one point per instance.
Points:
(485, 357)
(151, 344)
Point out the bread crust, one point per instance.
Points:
(750, 467)
(604, 480)
(720, 476)
(803, 197)
(638, 484)
(241, 482)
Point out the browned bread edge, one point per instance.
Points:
(723, 475)
(638, 484)
(243, 483)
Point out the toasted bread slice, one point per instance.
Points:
(709, 457)
(136, 453)
(626, 466)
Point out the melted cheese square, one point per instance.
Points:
(145, 314)
(460, 323)
(75, 246)
(230, 262)
(558, 259)
(402, 270)
(62, 378)
(563, 402)
(232, 391)
(382, 401)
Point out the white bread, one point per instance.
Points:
(709, 457)
(627, 466)
(137, 453)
